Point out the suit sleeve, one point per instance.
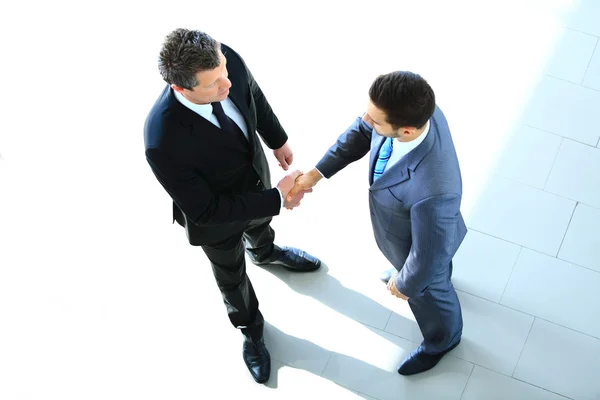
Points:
(351, 146)
(193, 196)
(267, 123)
(434, 223)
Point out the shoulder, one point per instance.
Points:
(235, 62)
(161, 122)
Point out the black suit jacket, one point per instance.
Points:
(217, 184)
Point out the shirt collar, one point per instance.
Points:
(204, 110)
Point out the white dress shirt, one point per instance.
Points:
(206, 112)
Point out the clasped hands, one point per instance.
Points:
(295, 185)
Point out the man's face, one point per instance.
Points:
(213, 85)
(377, 119)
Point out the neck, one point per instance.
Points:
(192, 100)
(407, 138)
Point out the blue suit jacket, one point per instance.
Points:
(415, 204)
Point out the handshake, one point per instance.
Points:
(295, 185)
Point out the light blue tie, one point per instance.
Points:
(382, 159)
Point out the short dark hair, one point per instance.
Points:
(405, 97)
(185, 53)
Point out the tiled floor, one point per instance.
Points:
(113, 304)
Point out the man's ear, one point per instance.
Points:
(408, 131)
(177, 88)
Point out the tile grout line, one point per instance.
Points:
(526, 340)
(590, 88)
(523, 349)
(326, 364)
(470, 362)
(519, 311)
(467, 383)
(590, 62)
(560, 146)
(388, 321)
(543, 388)
(498, 304)
(579, 31)
(537, 251)
(525, 382)
(571, 82)
(510, 276)
(561, 136)
(528, 186)
(566, 231)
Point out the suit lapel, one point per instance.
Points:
(243, 109)
(397, 173)
(401, 171)
(376, 143)
(186, 116)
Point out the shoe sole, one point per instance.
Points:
(316, 267)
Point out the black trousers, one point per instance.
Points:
(229, 267)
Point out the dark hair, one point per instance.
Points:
(405, 97)
(185, 53)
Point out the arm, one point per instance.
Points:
(267, 123)
(351, 146)
(193, 196)
(433, 226)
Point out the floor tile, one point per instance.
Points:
(582, 242)
(583, 16)
(521, 214)
(555, 290)
(565, 109)
(561, 360)
(493, 335)
(483, 265)
(490, 385)
(366, 397)
(516, 162)
(572, 55)
(592, 75)
(576, 158)
(295, 351)
(333, 293)
(371, 368)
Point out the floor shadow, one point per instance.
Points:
(302, 349)
(330, 292)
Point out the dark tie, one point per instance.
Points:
(384, 156)
(227, 123)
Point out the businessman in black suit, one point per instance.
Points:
(201, 144)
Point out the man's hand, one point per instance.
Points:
(393, 289)
(286, 185)
(304, 184)
(284, 155)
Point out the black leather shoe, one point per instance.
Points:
(294, 259)
(258, 360)
(419, 361)
(386, 275)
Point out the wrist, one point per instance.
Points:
(314, 175)
(281, 196)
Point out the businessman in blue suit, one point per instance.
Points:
(414, 198)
